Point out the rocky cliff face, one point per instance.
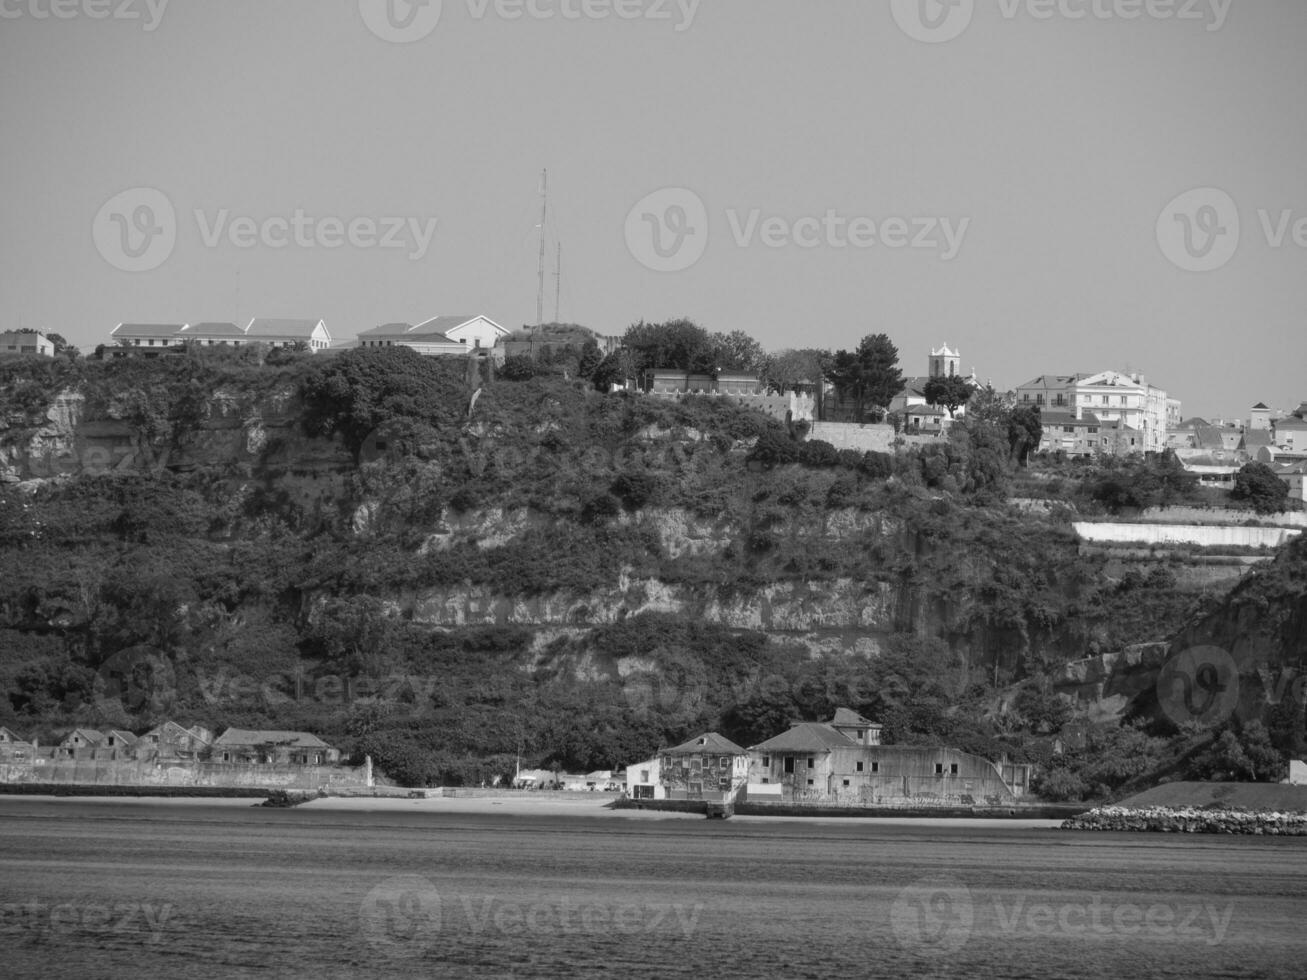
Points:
(238, 430)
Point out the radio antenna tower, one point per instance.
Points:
(558, 280)
(544, 211)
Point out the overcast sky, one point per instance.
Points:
(1010, 178)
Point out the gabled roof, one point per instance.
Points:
(388, 329)
(709, 742)
(213, 329)
(442, 325)
(146, 330)
(88, 735)
(848, 717)
(273, 327)
(1290, 423)
(807, 736)
(122, 736)
(1261, 407)
(1253, 438)
(9, 735)
(250, 737)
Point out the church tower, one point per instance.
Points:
(944, 363)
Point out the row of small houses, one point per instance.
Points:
(841, 761)
(171, 742)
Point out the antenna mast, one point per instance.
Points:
(544, 211)
(558, 280)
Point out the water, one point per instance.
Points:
(131, 889)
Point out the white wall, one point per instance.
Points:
(1206, 536)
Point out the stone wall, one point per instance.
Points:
(1222, 515)
(75, 772)
(850, 435)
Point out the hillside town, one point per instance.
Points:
(1105, 414)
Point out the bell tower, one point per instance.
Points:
(944, 363)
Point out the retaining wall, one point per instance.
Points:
(1208, 536)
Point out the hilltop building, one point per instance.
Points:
(17, 343)
(157, 338)
(1137, 412)
(439, 336)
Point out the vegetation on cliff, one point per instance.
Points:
(275, 598)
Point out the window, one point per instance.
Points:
(812, 763)
(765, 779)
(644, 775)
(725, 763)
(860, 734)
(939, 769)
(766, 762)
(875, 767)
(789, 764)
(846, 782)
(809, 782)
(859, 767)
(953, 769)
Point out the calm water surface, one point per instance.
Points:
(130, 889)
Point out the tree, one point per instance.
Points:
(1024, 432)
(870, 374)
(737, 351)
(614, 369)
(519, 367)
(1258, 484)
(951, 392)
(679, 344)
(786, 369)
(591, 357)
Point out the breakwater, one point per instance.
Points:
(1191, 820)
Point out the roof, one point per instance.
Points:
(89, 734)
(708, 742)
(1290, 423)
(1066, 418)
(214, 329)
(849, 717)
(146, 330)
(442, 325)
(387, 328)
(1261, 407)
(122, 736)
(245, 736)
(807, 736)
(1054, 380)
(273, 327)
(1252, 438)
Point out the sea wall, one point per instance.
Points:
(77, 772)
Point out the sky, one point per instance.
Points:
(1050, 186)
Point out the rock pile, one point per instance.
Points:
(1191, 820)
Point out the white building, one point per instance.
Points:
(273, 332)
(643, 780)
(441, 335)
(16, 344)
(1110, 396)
